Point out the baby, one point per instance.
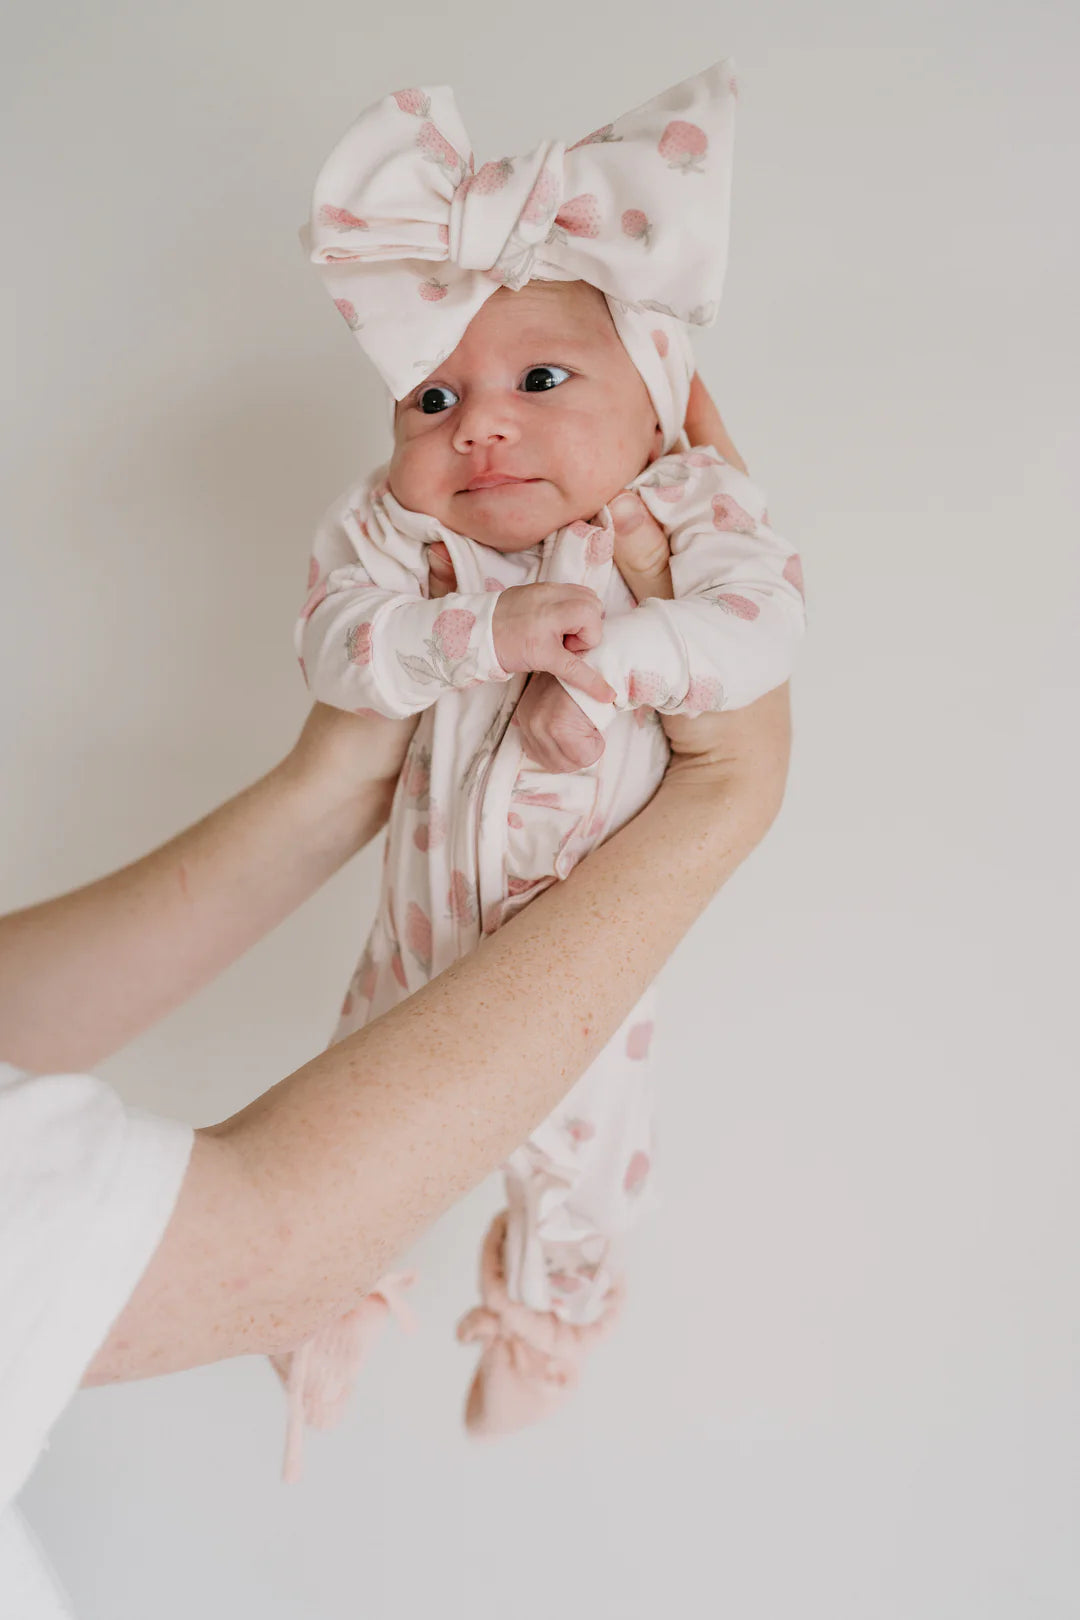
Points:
(531, 382)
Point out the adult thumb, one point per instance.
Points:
(642, 553)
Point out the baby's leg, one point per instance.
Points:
(550, 1275)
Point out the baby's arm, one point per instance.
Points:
(730, 634)
(392, 650)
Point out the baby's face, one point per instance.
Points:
(539, 389)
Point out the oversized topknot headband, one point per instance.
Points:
(411, 238)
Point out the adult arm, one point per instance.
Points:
(82, 974)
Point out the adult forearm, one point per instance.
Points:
(293, 1208)
(82, 974)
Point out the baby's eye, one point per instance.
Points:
(428, 402)
(542, 371)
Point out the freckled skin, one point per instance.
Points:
(584, 437)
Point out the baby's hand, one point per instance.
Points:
(555, 733)
(532, 624)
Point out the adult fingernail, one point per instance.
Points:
(626, 512)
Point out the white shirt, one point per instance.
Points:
(87, 1186)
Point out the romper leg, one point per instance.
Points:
(550, 1277)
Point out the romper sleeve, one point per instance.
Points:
(730, 634)
(369, 637)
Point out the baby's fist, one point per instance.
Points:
(555, 733)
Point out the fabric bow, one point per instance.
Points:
(411, 238)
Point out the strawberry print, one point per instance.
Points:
(450, 663)
(417, 774)
(358, 643)
(638, 1040)
(637, 1172)
(432, 291)
(635, 225)
(347, 1005)
(740, 606)
(704, 696)
(668, 482)
(444, 235)
(366, 976)
(413, 101)
(435, 146)
(431, 834)
(660, 339)
(520, 885)
(397, 968)
(579, 216)
(541, 199)
(341, 219)
(494, 585)
(728, 514)
(418, 935)
(461, 899)
(701, 458)
(514, 820)
(597, 137)
(491, 177)
(312, 574)
(348, 313)
(580, 1130)
(682, 146)
(597, 825)
(546, 801)
(452, 630)
(794, 575)
(601, 547)
(645, 686)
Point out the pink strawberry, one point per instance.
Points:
(636, 1173)
(740, 606)
(367, 976)
(546, 801)
(541, 199)
(494, 585)
(432, 290)
(341, 219)
(638, 1040)
(641, 715)
(460, 898)
(670, 493)
(312, 574)
(431, 833)
(728, 514)
(705, 696)
(348, 312)
(418, 774)
(397, 967)
(347, 1004)
(580, 1130)
(699, 458)
(580, 216)
(444, 235)
(435, 146)
(597, 825)
(514, 820)
(579, 528)
(358, 643)
(452, 630)
(645, 686)
(413, 101)
(635, 224)
(682, 146)
(418, 934)
(661, 341)
(491, 177)
(794, 575)
(601, 547)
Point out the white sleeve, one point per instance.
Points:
(392, 651)
(730, 634)
(87, 1186)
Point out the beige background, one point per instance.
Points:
(846, 1387)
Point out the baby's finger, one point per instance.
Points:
(703, 423)
(576, 672)
(642, 553)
